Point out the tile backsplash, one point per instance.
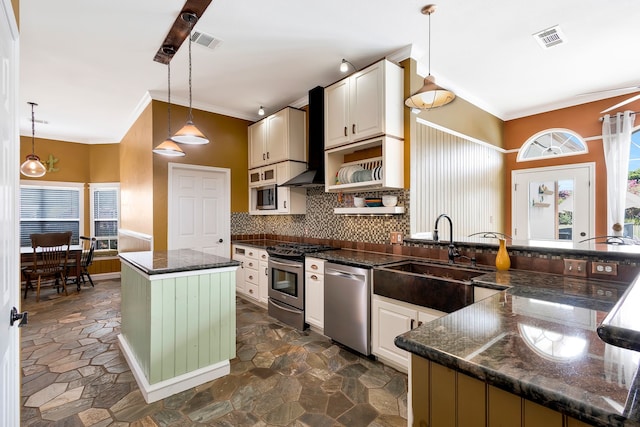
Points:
(321, 223)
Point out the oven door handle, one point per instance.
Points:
(331, 272)
(286, 264)
(280, 306)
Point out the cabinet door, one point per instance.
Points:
(367, 103)
(283, 171)
(336, 114)
(257, 141)
(237, 256)
(314, 299)
(389, 321)
(277, 137)
(263, 279)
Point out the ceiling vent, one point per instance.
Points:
(550, 37)
(204, 39)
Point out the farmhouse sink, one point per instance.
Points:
(441, 287)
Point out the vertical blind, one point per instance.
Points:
(456, 176)
(49, 210)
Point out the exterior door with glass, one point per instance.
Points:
(554, 203)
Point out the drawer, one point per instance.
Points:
(257, 254)
(251, 263)
(314, 265)
(251, 276)
(252, 290)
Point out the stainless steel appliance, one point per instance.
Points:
(267, 197)
(286, 281)
(347, 306)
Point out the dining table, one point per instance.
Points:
(75, 252)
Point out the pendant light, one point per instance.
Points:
(430, 94)
(33, 167)
(168, 147)
(190, 134)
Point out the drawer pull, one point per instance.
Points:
(263, 256)
(345, 131)
(314, 267)
(250, 291)
(353, 128)
(250, 264)
(250, 277)
(314, 277)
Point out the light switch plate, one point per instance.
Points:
(575, 267)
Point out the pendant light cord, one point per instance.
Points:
(190, 29)
(33, 129)
(169, 96)
(430, 42)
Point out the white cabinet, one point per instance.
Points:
(262, 176)
(381, 152)
(366, 104)
(314, 292)
(278, 137)
(390, 319)
(250, 282)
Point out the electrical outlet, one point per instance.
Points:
(575, 267)
(395, 237)
(608, 268)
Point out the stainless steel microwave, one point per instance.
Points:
(267, 197)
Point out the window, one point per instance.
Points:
(105, 207)
(552, 143)
(49, 207)
(632, 211)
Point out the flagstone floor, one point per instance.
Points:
(73, 374)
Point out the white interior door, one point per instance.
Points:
(554, 203)
(9, 245)
(199, 213)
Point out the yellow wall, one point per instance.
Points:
(16, 10)
(228, 148)
(74, 164)
(136, 175)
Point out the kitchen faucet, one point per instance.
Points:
(453, 252)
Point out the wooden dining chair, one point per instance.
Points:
(50, 256)
(86, 259)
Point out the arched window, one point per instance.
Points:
(552, 143)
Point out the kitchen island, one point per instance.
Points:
(178, 319)
(529, 355)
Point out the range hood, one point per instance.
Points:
(314, 175)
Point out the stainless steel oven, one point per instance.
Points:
(286, 291)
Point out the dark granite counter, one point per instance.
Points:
(358, 258)
(538, 340)
(177, 260)
(621, 327)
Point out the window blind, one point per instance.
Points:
(49, 210)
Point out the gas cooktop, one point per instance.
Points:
(295, 250)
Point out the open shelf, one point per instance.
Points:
(382, 210)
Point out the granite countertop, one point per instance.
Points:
(537, 339)
(177, 260)
(356, 258)
(621, 327)
(258, 243)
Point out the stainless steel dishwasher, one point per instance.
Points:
(347, 306)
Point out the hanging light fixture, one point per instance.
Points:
(190, 134)
(261, 111)
(33, 167)
(168, 147)
(430, 94)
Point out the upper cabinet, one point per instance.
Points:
(277, 138)
(366, 104)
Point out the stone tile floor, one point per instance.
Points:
(73, 374)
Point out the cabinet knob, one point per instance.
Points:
(250, 291)
(263, 256)
(251, 277)
(314, 267)
(314, 277)
(250, 264)
(250, 253)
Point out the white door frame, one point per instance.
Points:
(170, 201)
(590, 166)
(10, 219)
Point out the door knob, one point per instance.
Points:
(220, 241)
(15, 316)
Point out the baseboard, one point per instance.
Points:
(106, 276)
(158, 391)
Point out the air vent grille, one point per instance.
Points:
(204, 39)
(550, 37)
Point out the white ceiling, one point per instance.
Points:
(89, 64)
